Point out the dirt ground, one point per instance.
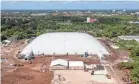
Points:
(81, 77)
(74, 76)
(116, 57)
(33, 73)
(27, 76)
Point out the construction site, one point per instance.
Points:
(56, 68)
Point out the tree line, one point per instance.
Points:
(133, 66)
(27, 27)
(111, 27)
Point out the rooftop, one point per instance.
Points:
(76, 63)
(65, 42)
(129, 37)
(59, 62)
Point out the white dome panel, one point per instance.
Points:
(65, 42)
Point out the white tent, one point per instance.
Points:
(65, 42)
(59, 62)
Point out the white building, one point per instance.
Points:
(134, 22)
(76, 65)
(98, 69)
(88, 19)
(61, 43)
(59, 64)
(38, 14)
(129, 38)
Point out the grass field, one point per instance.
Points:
(126, 17)
(123, 17)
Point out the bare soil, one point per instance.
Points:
(27, 76)
(32, 73)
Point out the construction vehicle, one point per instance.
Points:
(92, 73)
(108, 76)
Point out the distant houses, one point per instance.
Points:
(136, 38)
(38, 14)
(90, 20)
(134, 22)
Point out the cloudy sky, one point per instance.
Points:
(74, 4)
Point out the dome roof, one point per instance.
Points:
(65, 42)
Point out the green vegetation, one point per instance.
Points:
(125, 17)
(130, 45)
(27, 27)
(24, 27)
(133, 46)
(122, 17)
(134, 68)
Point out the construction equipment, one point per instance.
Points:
(92, 73)
(108, 76)
(125, 79)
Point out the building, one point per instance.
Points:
(65, 43)
(76, 65)
(38, 14)
(59, 64)
(100, 70)
(134, 22)
(90, 20)
(90, 66)
(113, 11)
(136, 38)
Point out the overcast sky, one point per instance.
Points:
(28, 5)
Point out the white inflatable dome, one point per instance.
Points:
(61, 43)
